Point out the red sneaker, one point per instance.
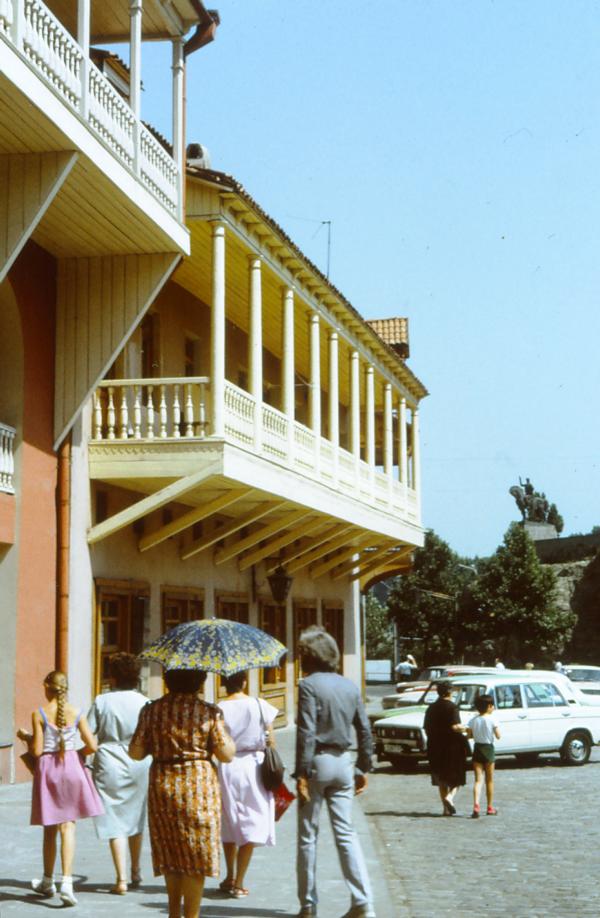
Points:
(475, 813)
(491, 811)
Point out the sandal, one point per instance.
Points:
(238, 892)
(475, 813)
(136, 879)
(492, 811)
(227, 886)
(120, 888)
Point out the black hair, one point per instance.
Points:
(235, 683)
(444, 688)
(186, 681)
(482, 703)
(125, 670)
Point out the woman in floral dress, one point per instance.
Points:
(182, 732)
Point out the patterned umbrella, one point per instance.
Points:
(215, 645)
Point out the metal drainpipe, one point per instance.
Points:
(63, 500)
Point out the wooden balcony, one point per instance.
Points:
(153, 436)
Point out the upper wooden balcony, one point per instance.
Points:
(124, 190)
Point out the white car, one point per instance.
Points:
(536, 711)
(586, 678)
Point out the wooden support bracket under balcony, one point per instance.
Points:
(274, 545)
(192, 516)
(365, 558)
(318, 570)
(321, 551)
(236, 548)
(393, 557)
(298, 550)
(228, 529)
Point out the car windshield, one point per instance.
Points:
(583, 675)
(462, 695)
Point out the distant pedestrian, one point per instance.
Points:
(329, 707)
(63, 790)
(182, 733)
(558, 667)
(499, 664)
(446, 747)
(529, 666)
(406, 668)
(247, 808)
(121, 782)
(484, 729)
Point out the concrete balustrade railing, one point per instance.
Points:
(145, 409)
(7, 460)
(53, 53)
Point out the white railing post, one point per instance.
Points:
(288, 406)
(255, 363)
(334, 404)
(416, 460)
(403, 448)
(83, 38)
(315, 385)
(388, 443)
(135, 80)
(18, 23)
(217, 342)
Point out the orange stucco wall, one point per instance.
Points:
(33, 279)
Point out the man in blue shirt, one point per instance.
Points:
(330, 709)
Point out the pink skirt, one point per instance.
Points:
(63, 790)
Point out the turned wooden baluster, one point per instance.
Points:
(98, 414)
(189, 412)
(124, 414)
(150, 414)
(176, 412)
(162, 413)
(202, 412)
(110, 413)
(137, 412)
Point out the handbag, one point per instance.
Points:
(272, 767)
(283, 798)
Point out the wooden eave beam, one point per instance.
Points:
(253, 557)
(318, 570)
(319, 552)
(389, 569)
(395, 556)
(221, 532)
(154, 501)
(230, 551)
(192, 516)
(298, 550)
(366, 558)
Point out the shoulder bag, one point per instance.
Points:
(272, 767)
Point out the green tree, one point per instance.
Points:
(555, 518)
(379, 632)
(514, 595)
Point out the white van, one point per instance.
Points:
(537, 712)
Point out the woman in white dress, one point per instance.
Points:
(121, 782)
(248, 809)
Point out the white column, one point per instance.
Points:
(370, 421)
(255, 363)
(388, 442)
(83, 38)
(334, 401)
(178, 67)
(416, 459)
(402, 444)
(287, 366)
(217, 331)
(355, 406)
(135, 69)
(314, 403)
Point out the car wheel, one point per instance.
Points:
(576, 748)
(527, 758)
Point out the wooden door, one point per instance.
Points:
(121, 618)
(180, 607)
(236, 610)
(305, 614)
(333, 622)
(273, 681)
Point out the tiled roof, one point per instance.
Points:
(231, 184)
(394, 332)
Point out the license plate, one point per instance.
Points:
(389, 747)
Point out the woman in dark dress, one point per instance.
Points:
(446, 748)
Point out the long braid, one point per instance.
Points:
(57, 683)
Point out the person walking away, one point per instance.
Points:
(499, 664)
(121, 782)
(329, 707)
(247, 808)
(182, 732)
(63, 790)
(406, 669)
(484, 728)
(446, 748)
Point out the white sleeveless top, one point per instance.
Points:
(52, 735)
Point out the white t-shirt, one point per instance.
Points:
(483, 727)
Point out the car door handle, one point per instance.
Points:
(566, 713)
(522, 716)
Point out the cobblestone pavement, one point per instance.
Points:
(537, 859)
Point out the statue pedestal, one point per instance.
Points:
(537, 531)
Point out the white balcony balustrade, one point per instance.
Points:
(58, 59)
(7, 461)
(176, 408)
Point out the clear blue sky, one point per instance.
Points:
(455, 145)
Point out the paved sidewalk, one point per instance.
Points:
(271, 877)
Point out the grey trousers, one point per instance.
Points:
(333, 782)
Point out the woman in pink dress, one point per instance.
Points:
(63, 790)
(247, 808)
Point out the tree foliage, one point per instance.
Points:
(379, 633)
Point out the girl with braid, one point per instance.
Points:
(63, 790)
